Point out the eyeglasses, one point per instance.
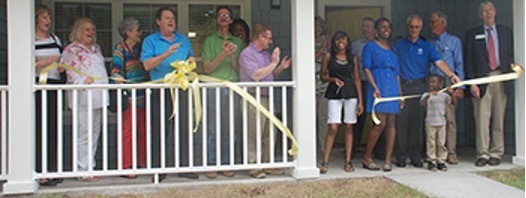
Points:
(223, 15)
(267, 37)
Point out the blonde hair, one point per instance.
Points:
(76, 29)
(260, 28)
(41, 9)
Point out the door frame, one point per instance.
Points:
(385, 4)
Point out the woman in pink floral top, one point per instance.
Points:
(85, 55)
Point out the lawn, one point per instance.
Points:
(513, 177)
(355, 187)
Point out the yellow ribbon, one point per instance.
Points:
(282, 127)
(517, 71)
(184, 76)
(43, 73)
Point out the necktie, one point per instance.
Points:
(491, 51)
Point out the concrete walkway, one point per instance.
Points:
(455, 184)
(459, 181)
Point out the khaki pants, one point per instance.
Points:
(491, 107)
(435, 143)
(264, 133)
(451, 129)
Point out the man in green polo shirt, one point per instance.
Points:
(220, 55)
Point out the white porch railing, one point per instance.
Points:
(109, 153)
(3, 132)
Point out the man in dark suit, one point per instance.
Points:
(488, 51)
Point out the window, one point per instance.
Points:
(202, 24)
(195, 17)
(145, 13)
(101, 13)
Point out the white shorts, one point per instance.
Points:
(335, 111)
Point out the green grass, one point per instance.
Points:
(513, 177)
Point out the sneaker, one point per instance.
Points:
(89, 178)
(228, 173)
(442, 167)
(452, 160)
(431, 166)
(211, 175)
(274, 171)
(258, 173)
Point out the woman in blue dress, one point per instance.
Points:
(382, 70)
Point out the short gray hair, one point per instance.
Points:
(487, 2)
(441, 16)
(414, 16)
(126, 25)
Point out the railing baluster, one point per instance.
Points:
(231, 127)
(218, 125)
(270, 125)
(245, 129)
(60, 141)
(204, 127)
(75, 130)
(258, 127)
(284, 110)
(105, 135)
(133, 106)
(163, 131)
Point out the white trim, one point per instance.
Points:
(21, 138)
(385, 4)
(519, 23)
(302, 46)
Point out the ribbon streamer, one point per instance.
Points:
(517, 71)
(184, 77)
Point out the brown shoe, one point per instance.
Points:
(274, 171)
(258, 173)
(452, 160)
(228, 173)
(211, 175)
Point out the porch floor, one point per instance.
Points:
(114, 186)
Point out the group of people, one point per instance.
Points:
(408, 66)
(228, 54)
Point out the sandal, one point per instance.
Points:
(370, 166)
(50, 182)
(348, 167)
(324, 167)
(129, 176)
(387, 167)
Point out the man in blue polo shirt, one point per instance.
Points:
(415, 55)
(450, 49)
(159, 50)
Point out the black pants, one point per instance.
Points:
(410, 124)
(157, 118)
(50, 130)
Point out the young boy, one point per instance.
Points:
(436, 122)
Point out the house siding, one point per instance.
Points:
(462, 15)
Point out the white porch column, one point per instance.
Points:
(303, 75)
(519, 23)
(20, 39)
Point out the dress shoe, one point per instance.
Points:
(211, 174)
(431, 166)
(417, 164)
(228, 173)
(257, 173)
(493, 161)
(452, 160)
(481, 162)
(188, 175)
(400, 164)
(442, 167)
